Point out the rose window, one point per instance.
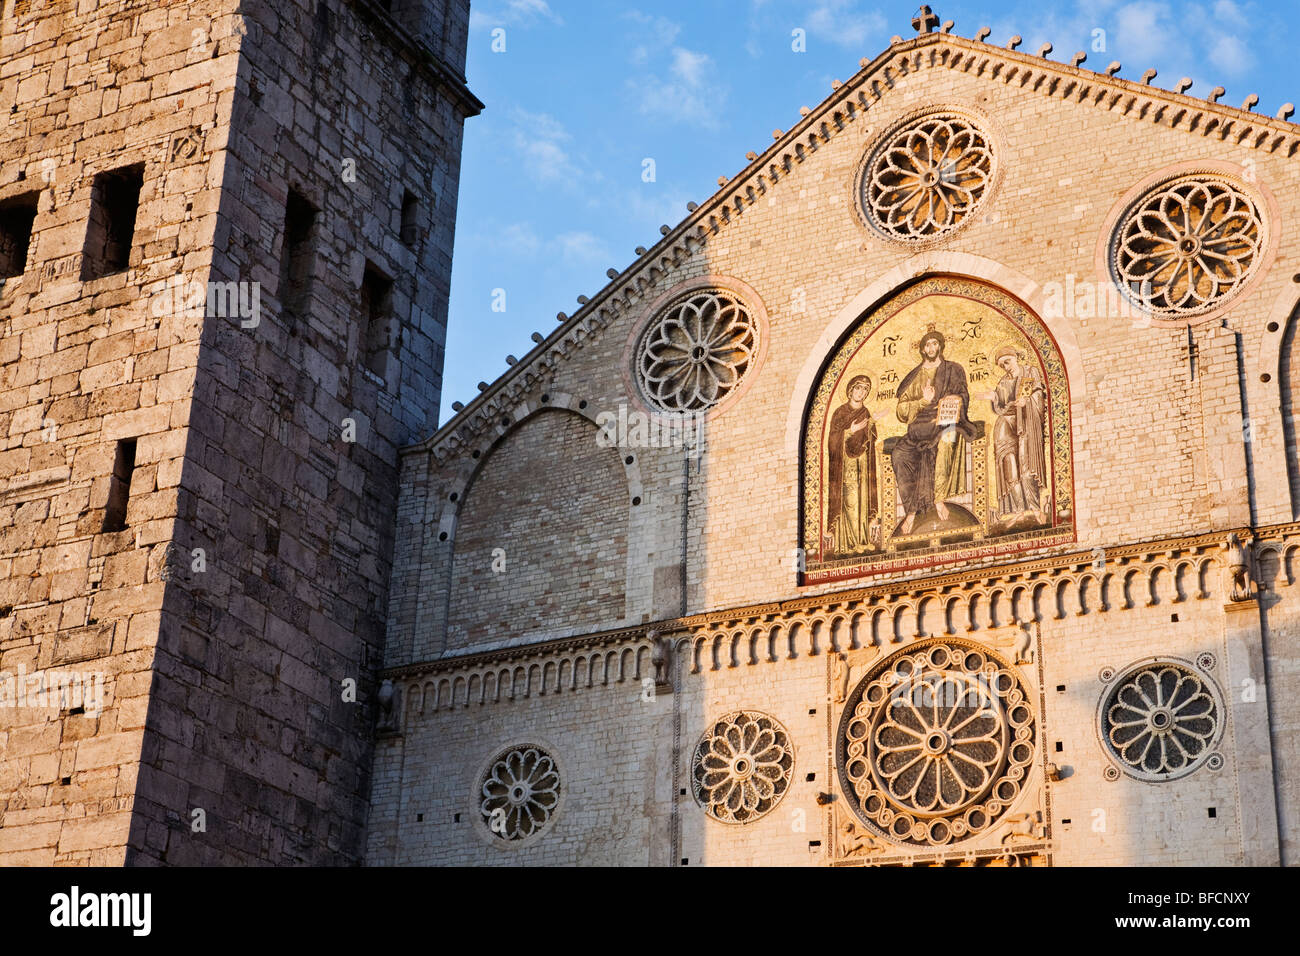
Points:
(696, 352)
(927, 177)
(935, 743)
(1160, 720)
(1187, 246)
(519, 793)
(742, 767)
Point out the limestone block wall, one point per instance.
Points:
(232, 612)
(1288, 378)
(519, 525)
(262, 712)
(1183, 455)
(611, 777)
(443, 25)
(86, 363)
(1280, 668)
(624, 752)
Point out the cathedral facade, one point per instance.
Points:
(926, 496)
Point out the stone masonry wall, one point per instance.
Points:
(538, 524)
(227, 612)
(1279, 571)
(812, 292)
(262, 710)
(86, 90)
(614, 740)
(1173, 437)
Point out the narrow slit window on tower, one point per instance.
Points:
(410, 219)
(119, 487)
(377, 313)
(16, 218)
(114, 200)
(297, 254)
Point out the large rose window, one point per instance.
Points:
(1187, 246)
(1161, 720)
(935, 743)
(927, 176)
(519, 792)
(742, 767)
(696, 352)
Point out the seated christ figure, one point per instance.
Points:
(930, 460)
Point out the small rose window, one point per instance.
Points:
(696, 352)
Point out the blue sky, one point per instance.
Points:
(552, 190)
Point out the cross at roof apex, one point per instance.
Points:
(925, 19)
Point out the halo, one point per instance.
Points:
(848, 389)
(932, 333)
(1007, 350)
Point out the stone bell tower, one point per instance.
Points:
(225, 253)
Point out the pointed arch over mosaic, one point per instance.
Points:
(938, 432)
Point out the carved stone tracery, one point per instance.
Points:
(936, 743)
(927, 176)
(519, 792)
(1161, 720)
(742, 767)
(1187, 246)
(696, 351)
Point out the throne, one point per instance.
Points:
(973, 500)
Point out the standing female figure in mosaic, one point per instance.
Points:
(853, 509)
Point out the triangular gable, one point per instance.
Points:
(842, 109)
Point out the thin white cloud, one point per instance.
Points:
(651, 35)
(1229, 54)
(1145, 32)
(841, 22)
(581, 248)
(520, 241)
(1148, 32)
(515, 13)
(540, 139)
(518, 238)
(690, 67)
(692, 92)
(1225, 11)
(677, 83)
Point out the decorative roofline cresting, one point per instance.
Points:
(644, 278)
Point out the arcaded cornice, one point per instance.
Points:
(1118, 562)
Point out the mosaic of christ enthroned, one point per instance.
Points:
(939, 431)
